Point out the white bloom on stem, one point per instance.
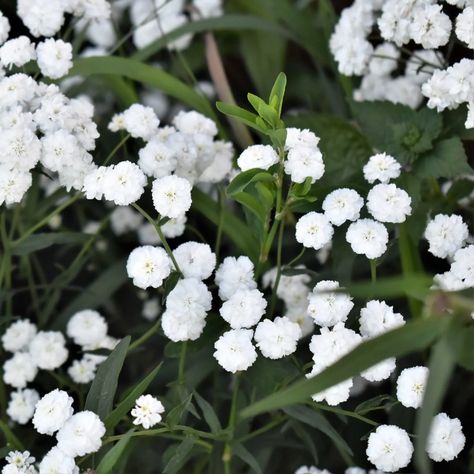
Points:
(304, 162)
(18, 335)
(48, 350)
(381, 167)
(277, 338)
(257, 156)
(342, 205)
(17, 52)
(411, 384)
(367, 237)
(235, 274)
(87, 328)
(57, 462)
(19, 370)
(244, 308)
(52, 411)
(445, 439)
(446, 234)
(171, 196)
(196, 260)
(148, 266)
(377, 317)
(147, 411)
(314, 230)
(387, 203)
(140, 121)
(81, 434)
(21, 406)
(389, 448)
(234, 350)
(54, 58)
(123, 183)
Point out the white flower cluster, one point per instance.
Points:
(385, 202)
(243, 308)
(446, 236)
(398, 22)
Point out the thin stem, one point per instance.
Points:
(340, 411)
(116, 149)
(227, 456)
(220, 224)
(160, 235)
(144, 337)
(182, 363)
(278, 273)
(263, 429)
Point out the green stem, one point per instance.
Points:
(373, 270)
(144, 337)
(182, 363)
(263, 429)
(160, 235)
(116, 149)
(227, 456)
(278, 273)
(340, 411)
(220, 224)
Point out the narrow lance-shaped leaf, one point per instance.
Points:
(114, 454)
(413, 336)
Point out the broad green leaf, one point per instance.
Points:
(252, 204)
(441, 365)
(129, 401)
(36, 242)
(233, 227)
(180, 456)
(145, 74)
(98, 292)
(101, 394)
(246, 117)
(315, 419)
(247, 457)
(242, 180)
(447, 160)
(414, 336)
(266, 112)
(277, 93)
(209, 414)
(108, 462)
(278, 136)
(266, 195)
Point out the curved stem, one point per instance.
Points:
(116, 149)
(144, 337)
(182, 363)
(278, 274)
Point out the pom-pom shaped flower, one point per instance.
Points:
(387, 203)
(446, 234)
(148, 266)
(381, 167)
(377, 317)
(257, 156)
(244, 308)
(368, 237)
(314, 230)
(411, 384)
(171, 196)
(52, 411)
(277, 338)
(196, 260)
(445, 439)
(18, 335)
(342, 205)
(235, 274)
(234, 350)
(87, 328)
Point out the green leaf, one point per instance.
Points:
(414, 336)
(265, 111)
(466, 356)
(11, 440)
(233, 227)
(98, 292)
(176, 414)
(209, 414)
(247, 457)
(441, 365)
(315, 419)
(112, 457)
(145, 74)
(129, 401)
(246, 117)
(447, 160)
(180, 456)
(277, 93)
(242, 180)
(36, 242)
(101, 394)
(307, 439)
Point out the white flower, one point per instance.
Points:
(81, 434)
(327, 307)
(56, 462)
(446, 438)
(367, 237)
(389, 448)
(277, 338)
(411, 384)
(93, 186)
(311, 470)
(141, 121)
(20, 148)
(147, 234)
(171, 196)
(195, 260)
(180, 326)
(380, 371)
(462, 267)
(465, 26)
(446, 234)
(175, 227)
(314, 230)
(17, 52)
(54, 58)
(377, 317)
(123, 183)
(235, 274)
(342, 205)
(18, 335)
(87, 328)
(194, 123)
(244, 308)
(147, 411)
(381, 167)
(384, 59)
(470, 115)
(22, 405)
(4, 28)
(48, 350)
(157, 159)
(13, 185)
(148, 266)
(234, 350)
(257, 156)
(422, 64)
(387, 203)
(52, 411)
(430, 27)
(21, 461)
(296, 138)
(304, 162)
(41, 18)
(83, 371)
(151, 309)
(125, 219)
(19, 370)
